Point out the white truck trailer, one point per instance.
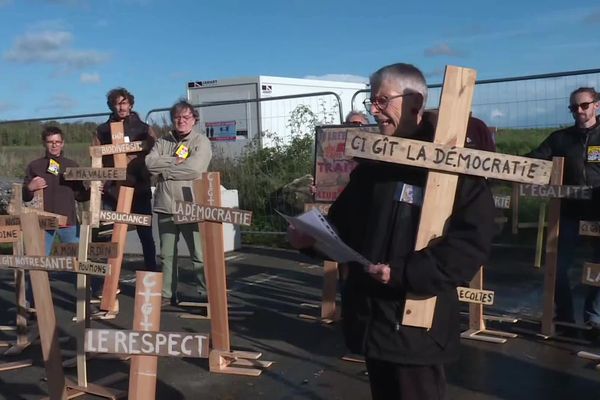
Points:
(234, 120)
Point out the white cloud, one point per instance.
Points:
(339, 78)
(89, 78)
(442, 50)
(52, 47)
(496, 114)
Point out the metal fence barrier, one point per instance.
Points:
(532, 101)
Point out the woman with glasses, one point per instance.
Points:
(178, 158)
(579, 144)
(377, 215)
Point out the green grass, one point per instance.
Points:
(14, 159)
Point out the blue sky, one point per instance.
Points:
(60, 57)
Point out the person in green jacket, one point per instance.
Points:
(178, 158)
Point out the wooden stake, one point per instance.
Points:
(455, 105)
(548, 325)
(329, 313)
(207, 191)
(119, 235)
(146, 317)
(45, 310)
(477, 329)
(221, 358)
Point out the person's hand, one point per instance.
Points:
(380, 272)
(36, 184)
(179, 160)
(297, 239)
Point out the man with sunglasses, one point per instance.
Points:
(580, 146)
(377, 215)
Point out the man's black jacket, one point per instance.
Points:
(371, 220)
(579, 147)
(138, 176)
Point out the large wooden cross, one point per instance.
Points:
(145, 342)
(210, 216)
(122, 216)
(446, 159)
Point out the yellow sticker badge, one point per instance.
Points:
(53, 167)
(593, 153)
(182, 151)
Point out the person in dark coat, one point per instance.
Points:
(378, 215)
(579, 144)
(121, 101)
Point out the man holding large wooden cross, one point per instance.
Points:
(178, 158)
(120, 101)
(378, 214)
(580, 146)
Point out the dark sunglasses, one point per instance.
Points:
(584, 106)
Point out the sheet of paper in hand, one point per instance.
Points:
(314, 224)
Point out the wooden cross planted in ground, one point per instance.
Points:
(122, 216)
(145, 341)
(11, 226)
(590, 275)
(555, 191)
(11, 233)
(82, 319)
(207, 193)
(446, 158)
(39, 265)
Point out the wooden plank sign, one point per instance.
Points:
(116, 148)
(39, 262)
(502, 202)
(188, 212)
(591, 274)
(95, 174)
(166, 344)
(442, 157)
(556, 191)
(46, 223)
(477, 296)
(125, 218)
(54, 264)
(9, 234)
(92, 268)
(95, 250)
(589, 228)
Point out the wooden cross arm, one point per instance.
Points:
(442, 157)
(188, 212)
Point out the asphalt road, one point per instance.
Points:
(266, 290)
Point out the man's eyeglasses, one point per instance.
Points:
(54, 143)
(381, 103)
(584, 106)
(183, 117)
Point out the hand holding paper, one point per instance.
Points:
(312, 223)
